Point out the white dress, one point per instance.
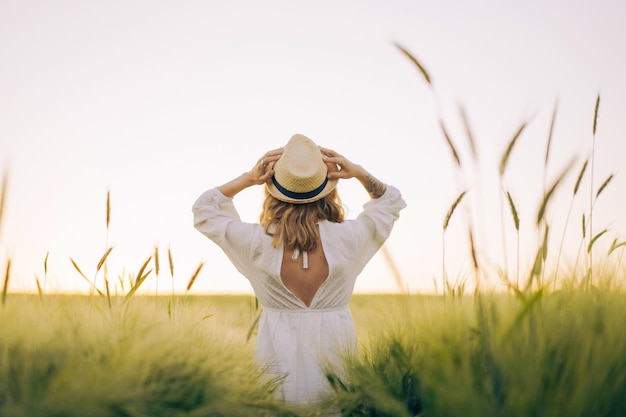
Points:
(296, 341)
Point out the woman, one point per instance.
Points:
(303, 258)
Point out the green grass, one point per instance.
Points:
(560, 354)
(72, 356)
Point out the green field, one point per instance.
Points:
(558, 354)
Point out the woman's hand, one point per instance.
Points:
(260, 173)
(339, 167)
(263, 170)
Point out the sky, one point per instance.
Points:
(158, 101)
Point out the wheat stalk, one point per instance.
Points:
(550, 134)
(455, 154)
(170, 261)
(108, 211)
(39, 290)
(509, 149)
(473, 250)
(513, 211)
(548, 195)
(103, 259)
(80, 272)
(3, 194)
(591, 200)
(595, 114)
(156, 271)
(194, 276)
(141, 277)
(468, 133)
(581, 174)
(594, 239)
(5, 286)
(394, 269)
(415, 62)
(515, 216)
(446, 220)
(106, 285)
(603, 186)
(45, 271)
(615, 245)
(540, 258)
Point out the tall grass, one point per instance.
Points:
(132, 361)
(486, 357)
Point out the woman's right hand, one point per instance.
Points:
(339, 167)
(263, 170)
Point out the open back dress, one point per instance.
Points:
(296, 341)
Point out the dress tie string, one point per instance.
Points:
(305, 257)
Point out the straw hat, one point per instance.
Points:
(300, 173)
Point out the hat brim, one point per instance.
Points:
(276, 193)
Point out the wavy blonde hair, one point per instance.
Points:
(296, 224)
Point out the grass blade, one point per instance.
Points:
(468, 133)
(419, 66)
(595, 114)
(108, 208)
(393, 266)
(108, 291)
(3, 194)
(593, 240)
(603, 186)
(45, 263)
(549, 144)
(156, 260)
(540, 257)
(80, 272)
(616, 245)
(580, 176)
(546, 198)
(141, 277)
(450, 144)
(39, 289)
(195, 275)
(473, 249)
(103, 259)
(5, 286)
(507, 154)
(170, 261)
(143, 267)
(451, 210)
(513, 211)
(544, 203)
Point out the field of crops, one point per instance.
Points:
(557, 354)
(551, 343)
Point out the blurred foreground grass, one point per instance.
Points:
(557, 354)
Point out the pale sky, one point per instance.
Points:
(158, 101)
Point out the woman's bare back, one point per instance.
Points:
(304, 282)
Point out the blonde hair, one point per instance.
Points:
(296, 224)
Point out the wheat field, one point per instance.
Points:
(556, 354)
